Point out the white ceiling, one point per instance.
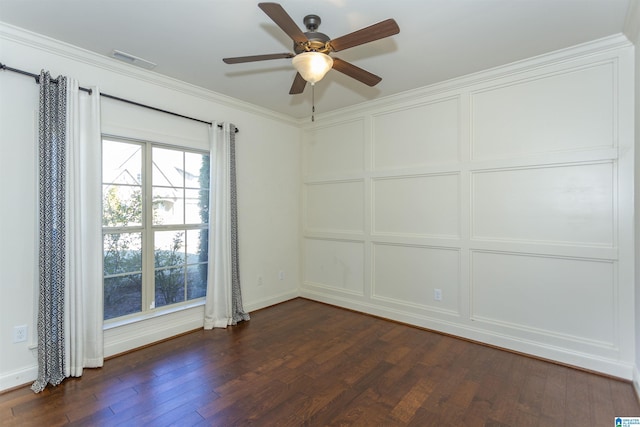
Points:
(438, 40)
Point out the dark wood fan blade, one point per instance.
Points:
(355, 72)
(298, 85)
(284, 21)
(377, 31)
(253, 58)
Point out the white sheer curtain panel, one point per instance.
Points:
(83, 289)
(217, 310)
(223, 305)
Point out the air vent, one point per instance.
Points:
(132, 59)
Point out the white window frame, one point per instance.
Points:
(147, 229)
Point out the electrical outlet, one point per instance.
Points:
(19, 333)
(259, 280)
(437, 294)
(281, 275)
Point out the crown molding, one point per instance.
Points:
(75, 53)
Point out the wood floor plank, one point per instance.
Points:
(554, 396)
(578, 399)
(406, 408)
(532, 392)
(303, 363)
(322, 391)
(78, 410)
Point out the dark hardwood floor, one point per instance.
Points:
(303, 363)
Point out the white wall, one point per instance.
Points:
(268, 184)
(509, 191)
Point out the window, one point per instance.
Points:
(155, 226)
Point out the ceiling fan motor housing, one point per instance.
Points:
(317, 41)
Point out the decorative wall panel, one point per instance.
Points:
(555, 296)
(417, 205)
(422, 135)
(565, 111)
(410, 275)
(564, 204)
(335, 206)
(335, 264)
(335, 149)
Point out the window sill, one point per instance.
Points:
(151, 314)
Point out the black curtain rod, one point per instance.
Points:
(89, 91)
(36, 76)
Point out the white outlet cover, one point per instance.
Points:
(20, 333)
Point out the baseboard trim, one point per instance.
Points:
(562, 356)
(18, 379)
(636, 382)
(273, 300)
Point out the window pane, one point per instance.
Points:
(203, 207)
(196, 281)
(122, 253)
(168, 206)
(197, 246)
(122, 295)
(169, 286)
(169, 248)
(121, 205)
(168, 167)
(196, 173)
(196, 207)
(121, 163)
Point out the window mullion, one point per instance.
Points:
(148, 294)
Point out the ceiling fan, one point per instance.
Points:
(311, 58)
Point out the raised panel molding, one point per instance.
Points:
(568, 298)
(409, 275)
(417, 206)
(334, 264)
(334, 150)
(563, 204)
(334, 207)
(569, 110)
(418, 135)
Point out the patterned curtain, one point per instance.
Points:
(223, 305)
(237, 310)
(52, 152)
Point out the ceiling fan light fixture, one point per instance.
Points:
(312, 66)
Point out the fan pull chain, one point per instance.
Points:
(313, 102)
